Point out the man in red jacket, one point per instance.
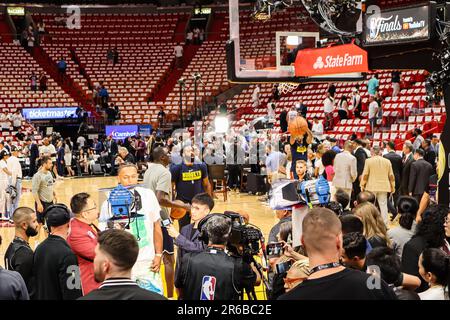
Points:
(82, 238)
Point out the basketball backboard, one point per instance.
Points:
(264, 49)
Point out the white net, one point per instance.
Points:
(287, 87)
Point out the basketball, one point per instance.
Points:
(298, 126)
(177, 213)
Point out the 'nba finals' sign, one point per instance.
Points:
(397, 26)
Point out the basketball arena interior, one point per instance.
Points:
(224, 150)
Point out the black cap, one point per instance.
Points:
(58, 215)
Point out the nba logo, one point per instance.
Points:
(208, 288)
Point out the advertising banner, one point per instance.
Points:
(347, 58)
(145, 129)
(49, 113)
(122, 132)
(397, 26)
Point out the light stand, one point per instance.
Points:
(182, 84)
(197, 78)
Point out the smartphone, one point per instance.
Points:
(283, 267)
(275, 249)
(166, 222)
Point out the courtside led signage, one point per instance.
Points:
(348, 58)
(397, 26)
(121, 132)
(16, 11)
(49, 113)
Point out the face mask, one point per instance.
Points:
(30, 232)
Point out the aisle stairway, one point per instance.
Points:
(69, 86)
(175, 74)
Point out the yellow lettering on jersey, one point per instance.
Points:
(301, 149)
(191, 176)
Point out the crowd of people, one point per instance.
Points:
(381, 220)
(33, 36)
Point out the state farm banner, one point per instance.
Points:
(347, 58)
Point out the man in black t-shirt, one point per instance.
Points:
(329, 280)
(283, 120)
(190, 178)
(56, 273)
(124, 156)
(19, 255)
(299, 150)
(115, 255)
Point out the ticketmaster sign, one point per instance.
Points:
(49, 113)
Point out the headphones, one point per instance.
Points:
(203, 234)
(67, 213)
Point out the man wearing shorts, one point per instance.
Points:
(159, 179)
(43, 188)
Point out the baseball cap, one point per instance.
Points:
(58, 215)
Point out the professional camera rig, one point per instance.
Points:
(287, 193)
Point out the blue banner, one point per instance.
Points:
(145, 129)
(121, 132)
(49, 113)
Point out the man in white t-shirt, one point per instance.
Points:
(255, 96)
(48, 149)
(178, 52)
(189, 37)
(317, 129)
(16, 176)
(328, 108)
(81, 142)
(17, 120)
(145, 226)
(271, 112)
(373, 112)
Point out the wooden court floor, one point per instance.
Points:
(260, 215)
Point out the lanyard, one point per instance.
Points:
(324, 267)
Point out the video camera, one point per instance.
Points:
(287, 193)
(244, 239)
(124, 205)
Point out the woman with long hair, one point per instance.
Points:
(407, 209)
(82, 161)
(68, 156)
(343, 108)
(327, 162)
(375, 229)
(430, 233)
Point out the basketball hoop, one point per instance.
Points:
(287, 87)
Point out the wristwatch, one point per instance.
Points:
(158, 254)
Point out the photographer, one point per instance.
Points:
(212, 274)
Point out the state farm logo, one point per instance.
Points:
(338, 61)
(319, 63)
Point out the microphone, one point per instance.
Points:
(164, 215)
